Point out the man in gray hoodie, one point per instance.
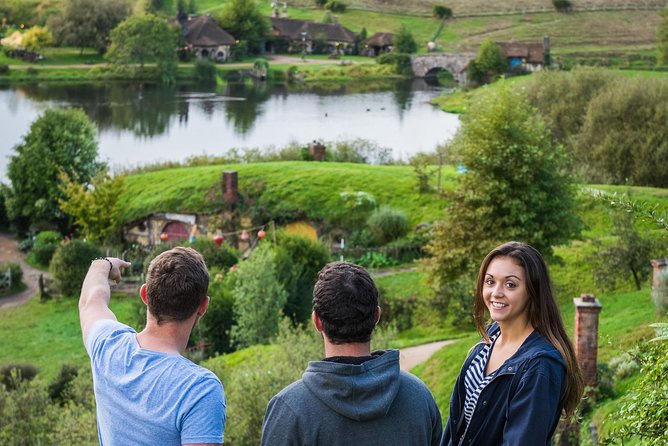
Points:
(353, 396)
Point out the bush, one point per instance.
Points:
(374, 259)
(221, 257)
(401, 62)
(11, 375)
(4, 69)
(387, 224)
(562, 5)
(45, 246)
(205, 71)
(216, 324)
(336, 6)
(57, 388)
(30, 71)
(16, 272)
(442, 12)
(69, 265)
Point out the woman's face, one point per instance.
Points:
(505, 292)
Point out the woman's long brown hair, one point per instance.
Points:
(544, 314)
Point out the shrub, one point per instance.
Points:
(61, 383)
(45, 246)
(298, 261)
(205, 71)
(387, 224)
(16, 273)
(336, 6)
(69, 265)
(11, 375)
(215, 256)
(219, 319)
(562, 5)
(401, 62)
(355, 208)
(30, 71)
(4, 69)
(374, 259)
(442, 12)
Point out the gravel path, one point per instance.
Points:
(412, 356)
(9, 252)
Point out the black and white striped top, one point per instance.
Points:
(475, 379)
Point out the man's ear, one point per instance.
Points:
(142, 294)
(203, 306)
(317, 322)
(377, 314)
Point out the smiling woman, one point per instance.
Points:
(525, 356)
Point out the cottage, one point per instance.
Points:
(205, 38)
(378, 43)
(297, 36)
(526, 56)
(163, 227)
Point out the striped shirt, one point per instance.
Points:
(475, 380)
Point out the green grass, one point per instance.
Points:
(47, 335)
(289, 190)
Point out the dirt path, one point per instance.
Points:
(412, 356)
(9, 252)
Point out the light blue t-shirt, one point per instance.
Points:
(146, 397)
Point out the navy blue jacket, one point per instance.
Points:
(521, 405)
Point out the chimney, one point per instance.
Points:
(230, 188)
(547, 55)
(587, 308)
(660, 268)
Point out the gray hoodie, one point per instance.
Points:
(374, 403)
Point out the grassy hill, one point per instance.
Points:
(285, 190)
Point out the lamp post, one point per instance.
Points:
(303, 33)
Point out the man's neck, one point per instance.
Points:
(168, 337)
(352, 349)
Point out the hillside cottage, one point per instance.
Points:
(298, 36)
(205, 38)
(377, 44)
(526, 56)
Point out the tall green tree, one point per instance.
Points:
(258, 299)
(662, 38)
(244, 20)
(61, 141)
(628, 256)
(404, 42)
(93, 206)
(143, 38)
(517, 187)
(88, 23)
(488, 64)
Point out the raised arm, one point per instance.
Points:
(95, 291)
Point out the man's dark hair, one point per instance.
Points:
(346, 300)
(176, 283)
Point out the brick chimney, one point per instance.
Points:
(587, 308)
(230, 188)
(658, 266)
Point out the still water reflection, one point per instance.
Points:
(144, 123)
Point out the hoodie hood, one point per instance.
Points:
(359, 392)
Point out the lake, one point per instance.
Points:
(147, 123)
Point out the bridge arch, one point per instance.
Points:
(455, 63)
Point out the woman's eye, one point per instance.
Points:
(510, 285)
(489, 282)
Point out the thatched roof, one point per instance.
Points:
(379, 39)
(293, 29)
(204, 31)
(531, 52)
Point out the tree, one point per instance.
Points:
(629, 255)
(404, 42)
(258, 299)
(143, 37)
(662, 38)
(488, 64)
(59, 141)
(442, 12)
(93, 206)
(88, 23)
(517, 187)
(37, 38)
(244, 20)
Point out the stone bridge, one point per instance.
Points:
(456, 63)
